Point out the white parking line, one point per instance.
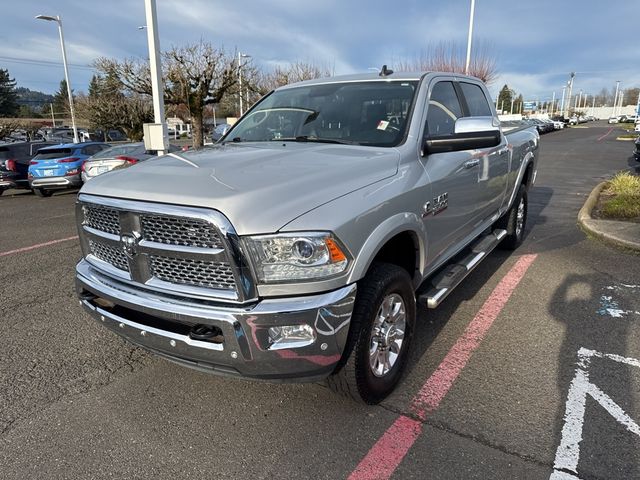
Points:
(568, 452)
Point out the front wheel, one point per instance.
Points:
(381, 329)
(41, 192)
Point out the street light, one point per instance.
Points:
(240, 57)
(466, 67)
(615, 98)
(57, 19)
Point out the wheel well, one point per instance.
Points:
(401, 250)
(527, 178)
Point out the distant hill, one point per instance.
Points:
(33, 99)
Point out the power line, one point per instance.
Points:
(43, 63)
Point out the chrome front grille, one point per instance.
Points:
(179, 231)
(176, 250)
(108, 254)
(193, 272)
(102, 218)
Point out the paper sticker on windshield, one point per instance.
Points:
(382, 125)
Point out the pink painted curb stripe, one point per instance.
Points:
(605, 135)
(385, 456)
(39, 245)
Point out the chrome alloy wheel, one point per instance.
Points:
(387, 335)
(520, 217)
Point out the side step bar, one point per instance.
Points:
(449, 278)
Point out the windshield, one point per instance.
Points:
(56, 153)
(359, 113)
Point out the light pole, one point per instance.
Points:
(615, 99)
(570, 86)
(466, 65)
(155, 67)
(580, 99)
(240, 57)
(562, 101)
(58, 20)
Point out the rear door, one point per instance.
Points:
(494, 163)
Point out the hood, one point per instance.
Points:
(258, 187)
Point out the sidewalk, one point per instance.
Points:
(615, 232)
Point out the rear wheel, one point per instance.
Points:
(41, 192)
(515, 221)
(381, 329)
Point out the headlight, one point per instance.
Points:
(292, 257)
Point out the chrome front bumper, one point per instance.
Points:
(162, 324)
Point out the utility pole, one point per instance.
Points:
(466, 68)
(562, 101)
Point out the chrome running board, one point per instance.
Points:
(449, 278)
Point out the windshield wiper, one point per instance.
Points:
(307, 138)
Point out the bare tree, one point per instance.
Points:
(9, 126)
(297, 71)
(450, 57)
(196, 75)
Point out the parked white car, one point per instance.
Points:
(613, 119)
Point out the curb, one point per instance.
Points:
(589, 226)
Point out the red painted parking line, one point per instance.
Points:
(385, 456)
(39, 245)
(605, 135)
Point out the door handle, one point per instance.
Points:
(471, 163)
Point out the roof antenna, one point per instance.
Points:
(385, 72)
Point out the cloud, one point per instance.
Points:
(536, 44)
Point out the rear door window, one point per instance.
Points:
(443, 110)
(476, 100)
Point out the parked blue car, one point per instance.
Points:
(59, 167)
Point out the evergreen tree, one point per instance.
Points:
(94, 86)
(8, 96)
(504, 99)
(518, 105)
(61, 99)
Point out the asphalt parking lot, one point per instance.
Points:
(544, 384)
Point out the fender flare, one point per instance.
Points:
(528, 159)
(389, 228)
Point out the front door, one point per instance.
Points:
(454, 208)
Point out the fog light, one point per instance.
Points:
(291, 336)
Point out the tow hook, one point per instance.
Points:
(207, 333)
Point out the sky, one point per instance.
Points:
(536, 44)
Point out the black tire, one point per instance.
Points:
(354, 377)
(514, 225)
(41, 192)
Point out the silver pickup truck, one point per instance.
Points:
(297, 248)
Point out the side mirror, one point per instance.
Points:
(470, 133)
